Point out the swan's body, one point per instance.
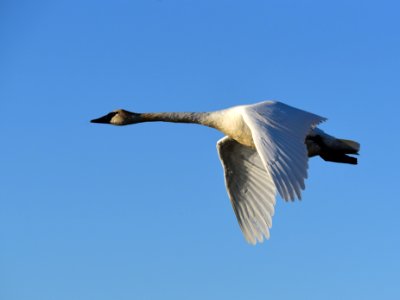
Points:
(265, 150)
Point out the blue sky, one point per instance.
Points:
(141, 212)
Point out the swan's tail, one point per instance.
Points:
(331, 148)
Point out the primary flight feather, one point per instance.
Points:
(265, 150)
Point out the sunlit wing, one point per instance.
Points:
(279, 133)
(250, 188)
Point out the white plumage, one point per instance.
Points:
(265, 150)
(279, 162)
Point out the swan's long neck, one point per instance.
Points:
(228, 121)
(202, 118)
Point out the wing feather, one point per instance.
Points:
(250, 188)
(279, 132)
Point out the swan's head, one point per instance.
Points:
(119, 117)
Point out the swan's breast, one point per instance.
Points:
(230, 122)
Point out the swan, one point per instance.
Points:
(264, 152)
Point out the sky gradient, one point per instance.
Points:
(141, 212)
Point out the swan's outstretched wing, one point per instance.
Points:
(279, 132)
(250, 188)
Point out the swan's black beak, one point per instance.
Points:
(104, 119)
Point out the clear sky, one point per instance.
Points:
(141, 212)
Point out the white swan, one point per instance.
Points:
(266, 149)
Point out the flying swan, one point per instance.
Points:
(265, 150)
